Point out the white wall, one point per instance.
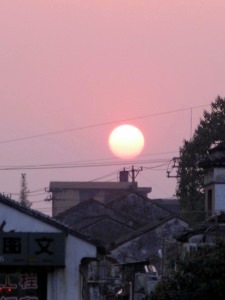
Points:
(219, 198)
(63, 283)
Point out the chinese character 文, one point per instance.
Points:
(11, 245)
(28, 281)
(44, 245)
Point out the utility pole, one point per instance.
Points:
(133, 173)
(171, 168)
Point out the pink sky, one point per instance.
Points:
(66, 64)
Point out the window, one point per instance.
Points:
(209, 203)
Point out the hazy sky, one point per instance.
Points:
(69, 64)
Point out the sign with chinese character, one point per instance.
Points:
(13, 249)
(46, 249)
(22, 286)
(32, 249)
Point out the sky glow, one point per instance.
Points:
(73, 64)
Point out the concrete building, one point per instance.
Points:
(214, 180)
(40, 259)
(67, 194)
(212, 229)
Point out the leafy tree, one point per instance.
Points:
(190, 177)
(24, 192)
(200, 276)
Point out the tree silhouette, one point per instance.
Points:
(24, 192)
(200, 275)
(190, 177)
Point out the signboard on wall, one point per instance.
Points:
(23, 286)
(32, 249)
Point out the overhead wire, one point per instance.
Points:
(84, 165)
(40, 194)
(29, 192)
(105, 176)
(90, 163)
(43, 191)
(157, 166)
(100, 124)
(154, 184)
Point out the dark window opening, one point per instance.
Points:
(23, 283)
(209, 203)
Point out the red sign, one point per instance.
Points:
(20, 286)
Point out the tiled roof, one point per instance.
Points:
(211, 228)
(143, 230)
(93, 209)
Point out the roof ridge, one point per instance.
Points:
(140, 231)
(80, 205)
(45, 218)
(107, 217)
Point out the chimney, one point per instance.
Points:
(124, 176)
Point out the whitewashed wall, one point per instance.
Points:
(63, 283)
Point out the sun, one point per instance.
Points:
(126, 141)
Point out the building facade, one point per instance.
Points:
(40, 259)
(67, 194)
(211, 230)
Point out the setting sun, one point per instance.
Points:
(126, 141)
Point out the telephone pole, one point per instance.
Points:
(132, 173)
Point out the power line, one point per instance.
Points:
(35, 195)
(30, 193)
(105, 176)
(80, 165)
(100, 124)
(157, 166)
